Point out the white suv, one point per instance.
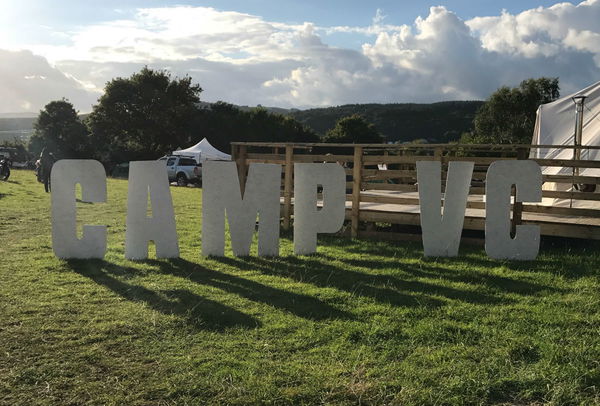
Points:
(183, 169)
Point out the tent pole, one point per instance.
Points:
(579, 103)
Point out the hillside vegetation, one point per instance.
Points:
(436, 122)
(16, 128)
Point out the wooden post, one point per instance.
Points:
(517, 216)
(241, 165)
(356, 183)
(438, 155)
(287, 186)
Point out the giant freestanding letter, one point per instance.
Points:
(441, 232)
(67, 173)
(150, 177)
(221, 195)
(527, 178)
(308, 218)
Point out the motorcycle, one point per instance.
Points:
(4, 169)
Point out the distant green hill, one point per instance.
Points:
(19, 126)
(436, 122)
(16, 127)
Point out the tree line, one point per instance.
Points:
(150, 114)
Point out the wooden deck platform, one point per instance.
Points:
(571, 226)
(381, 183)
(409, 214)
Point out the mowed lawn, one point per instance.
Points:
(361, 322)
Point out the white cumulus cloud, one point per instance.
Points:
(28, 82)
(245, 59)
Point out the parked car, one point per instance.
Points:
(183, 169)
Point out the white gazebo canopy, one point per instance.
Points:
(203, 151)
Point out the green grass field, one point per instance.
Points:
(361, 322)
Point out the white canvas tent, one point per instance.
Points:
(555, 125)
(203, 151)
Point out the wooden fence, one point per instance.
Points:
(382, 193)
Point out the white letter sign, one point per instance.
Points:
(221, 194)
(308, 218)
(66, 173)
(441, 232)
(527, 178)
(150, 177)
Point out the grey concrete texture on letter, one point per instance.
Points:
(527, 177)
(150, 177)
(308, 218)
(66, 174)
(441, 233)
(221, 195)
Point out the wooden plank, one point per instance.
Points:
(569, 163)
(394, 159)
(389, 217)
(356, 184)
(412, 159)
(388, 186)
(388, 199)
(374, 174)
(276, 157)
(399, 147)
(324, 158)
(568, 230)
(562, 211)
(571, 195)
(366, 198)
(591, 180)
(264, 161)
(411, 188)
(477, 160)
(288, 186)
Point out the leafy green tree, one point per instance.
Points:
(59, 129)
(223, 123)
(353, 129)
(508, 116)
(143, 116)
(436, 122)
(269, 127)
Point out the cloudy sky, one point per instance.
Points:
(295, 53)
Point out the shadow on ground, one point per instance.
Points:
(198, 312)
(301, 305)
(386, 279)
(399, 288)
(559, 256)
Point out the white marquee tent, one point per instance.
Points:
(203, 151)
(555, 125)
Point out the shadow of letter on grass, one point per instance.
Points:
(301, 305)
(199, 312)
